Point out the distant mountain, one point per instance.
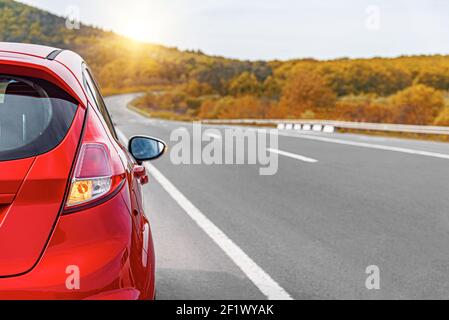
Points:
(23, 23)
(117, 61)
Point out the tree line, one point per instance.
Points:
(408, 89)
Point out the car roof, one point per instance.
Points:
(28, 49)
(63, 65)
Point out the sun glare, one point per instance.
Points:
(139, 32)
(143, 20)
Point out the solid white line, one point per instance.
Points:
(292, 155)
(372, 146)
(270, 288)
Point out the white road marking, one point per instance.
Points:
(370, 145)
(292, 155)
(269, 287)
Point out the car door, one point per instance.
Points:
(141, 235)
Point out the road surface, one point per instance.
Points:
(308, 232)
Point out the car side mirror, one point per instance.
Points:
(146, 148)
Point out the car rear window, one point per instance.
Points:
(35, 116)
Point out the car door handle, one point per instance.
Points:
(141, 174)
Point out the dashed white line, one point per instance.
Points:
(370, 145)
(363, 144)
(269, 287)
(292, 155)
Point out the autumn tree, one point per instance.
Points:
(363, 108)
(418, 104)
(244, 84)
(306, 90)
(434, 76)
(443, 118)
(245, 107)
(354, 77)
(195, 88)
(272, 88)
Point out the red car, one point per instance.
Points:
(72, 223)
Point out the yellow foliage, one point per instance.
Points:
(418, 104)
(245, 107)
(244, 84)
(443, 118)
(306, 90)
(403, 89)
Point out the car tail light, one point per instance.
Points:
(98, 174)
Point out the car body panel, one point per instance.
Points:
(57, 72)
(12, 174)
(99, 245)
(28, 222)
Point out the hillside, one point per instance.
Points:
(195, 85)
(118, 62)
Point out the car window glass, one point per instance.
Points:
(95, 94)
(35, 116)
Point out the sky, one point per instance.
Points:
(273, 29)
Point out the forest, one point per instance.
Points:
(192, 85)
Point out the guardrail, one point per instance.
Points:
(331, 125)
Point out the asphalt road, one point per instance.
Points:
(312, 228)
